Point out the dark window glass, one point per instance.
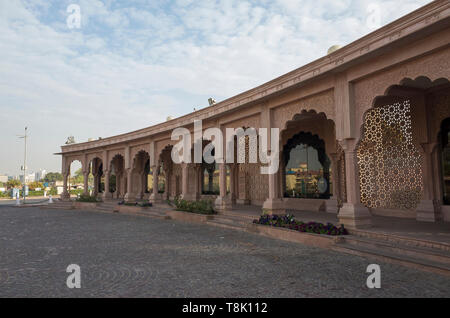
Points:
(305, 177)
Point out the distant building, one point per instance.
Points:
(38, 176)
(31, 177)
(3, 178)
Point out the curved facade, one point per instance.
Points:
(371, 117)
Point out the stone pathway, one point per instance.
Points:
(131, 256)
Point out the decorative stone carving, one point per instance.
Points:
(320, 103)
(434, 66)
(390, 165)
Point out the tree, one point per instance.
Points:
(53, 176)
(13, 184)
(34, 185)
(78, 177)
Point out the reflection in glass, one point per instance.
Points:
(305, 175)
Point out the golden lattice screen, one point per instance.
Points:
(390, 166)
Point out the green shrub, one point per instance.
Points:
(200, 207)
(139, 204)
(88, 198)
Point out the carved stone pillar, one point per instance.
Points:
(232, 195)
(96, 184)
(243, 185)
(188, 193)
(129, 197)
(107, 194)
(139, 179)
(65, 196)
(331, 204)
(167, 185)
(223, 202)
(353, 214)
(426, 210)
(116, 194)
(274, 203)
(86, 182)
(197, 186)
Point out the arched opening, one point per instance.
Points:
(390, 163)
(97, 182)
(117, 178)
(307, 168)
(139, 177)
(445, 160)
(398, 160)
(75, 180)
(210, 179)
(310, 164)
(169, 176)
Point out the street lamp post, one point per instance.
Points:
(24, 164)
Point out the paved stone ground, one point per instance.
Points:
(128, 256)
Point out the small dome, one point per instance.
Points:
(169, 118)
(333, 49)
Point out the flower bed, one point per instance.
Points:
(289, 222)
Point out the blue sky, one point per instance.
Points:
(133, 63)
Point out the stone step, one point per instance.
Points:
(239, 215)
(104, 209)
(233, 219)
(60, 205)
(400, 255)
(432, 254)
(401, 240)
(226, 224)
(152, 214)
(230, 222)
(107, 207)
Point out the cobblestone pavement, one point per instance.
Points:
(130, 256)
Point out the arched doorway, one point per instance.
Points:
(95, 168)
(117, 179)
(139, 176)
(307, 168)
(75, 180)
(445, 160)
(399, 162)
(309, 164)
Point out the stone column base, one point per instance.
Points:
(355, 216)
(155, 198)
(130, 197)
(190, 197)
(107, 196)
(274, 206)
(425, 211)
(223, 204)
(331, 205)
